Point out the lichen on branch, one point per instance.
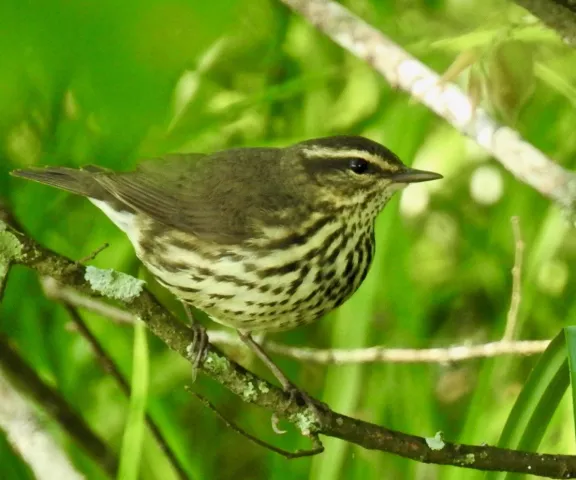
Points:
(17, 248)
(112, 284)
(10, 251)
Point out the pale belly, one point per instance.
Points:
(246, 296)
(251, 289)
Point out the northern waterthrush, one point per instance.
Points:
(261, 239)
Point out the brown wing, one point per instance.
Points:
(209, 196)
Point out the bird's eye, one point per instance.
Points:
(358, 165)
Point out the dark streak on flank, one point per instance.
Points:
(184, 244)
(280, 270)
(336, 251)
(318, 250)
(204, 272)
(173, 267)
(234, 280)
(178, 287)
(298, 238)
(220, 296)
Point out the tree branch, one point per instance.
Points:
(404, 71)
(28, 381)
(346, 356)
(560, 15)
(129, 292)
(70, 296)
(29, 436)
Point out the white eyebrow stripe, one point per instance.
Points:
(337, 153)
(319, 152)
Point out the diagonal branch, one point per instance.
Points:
(30, 437)
(27, 380)
(176, 335)
(404, 71)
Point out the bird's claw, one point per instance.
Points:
(198, 348)
(301, 398)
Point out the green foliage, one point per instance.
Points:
(111, 82)
(536, 404)
(133, 439)
(571, 347)
(12, 465)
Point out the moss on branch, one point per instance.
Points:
(16, 248)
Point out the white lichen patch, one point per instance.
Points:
(263, 387)
(436, 442)
(10, 250)
(469, 459)
(114, 284)
(217, 364)
(306, 421)
(249, 393)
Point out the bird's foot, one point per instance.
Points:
(296, 395)
(200, 341)
(198, 347)
(300, 397)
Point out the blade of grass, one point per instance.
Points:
(13, 465)
(536, 403)
(570, 334)
(133, 439)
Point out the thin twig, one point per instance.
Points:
(55, 291)
(110, 366)
(516, 297)
(341, 356)
(94, 254)
(456, 353)
(319, 448)
(447, 100)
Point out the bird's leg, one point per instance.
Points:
(287, 385)
(263, 356)
(199, 342)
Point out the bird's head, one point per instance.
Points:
(351, 172)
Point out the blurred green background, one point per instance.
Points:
(112, 82)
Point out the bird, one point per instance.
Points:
(260, 239)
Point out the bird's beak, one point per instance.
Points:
(411, 175)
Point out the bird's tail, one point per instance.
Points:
(80, 182)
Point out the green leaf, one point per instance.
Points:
(133, 439)
(536, 403)
(570, 334)
(13, 466)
